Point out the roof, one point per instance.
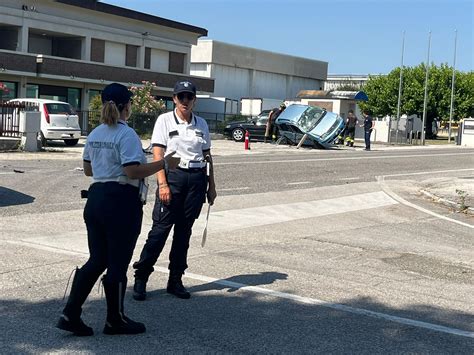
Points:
(95, 5)
(341, 95)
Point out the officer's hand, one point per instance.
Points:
(211, 195)
(172, 160)
(164, 194)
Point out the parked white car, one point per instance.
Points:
(58, 120)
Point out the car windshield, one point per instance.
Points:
(57, 109)
(310, 118)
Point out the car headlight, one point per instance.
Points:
(228, 126)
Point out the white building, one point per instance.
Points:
(248, 72)
(336, 81)
(70, 49)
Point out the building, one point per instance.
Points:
(345, 82)
(253, 73)
(69, 50)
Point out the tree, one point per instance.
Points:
(383, 93)
(143, 101)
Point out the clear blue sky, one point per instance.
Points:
(354, 37)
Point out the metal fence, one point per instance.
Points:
(10, 117)
(143, 123)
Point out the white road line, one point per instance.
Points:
(235, 189)
(336, 306)
(299, 183)
(365, 157)
(236, 219)
(428, 172)
(388, 191)
(349, 178)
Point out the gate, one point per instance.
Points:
(10, 117)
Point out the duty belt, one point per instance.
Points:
(192, 164)
(121, 180)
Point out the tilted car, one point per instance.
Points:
(256, 127)
(58, 120)
(321, 126)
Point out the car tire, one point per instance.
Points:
(71, 142)
(238, 135)
(41, 139)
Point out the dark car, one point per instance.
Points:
(256, 127)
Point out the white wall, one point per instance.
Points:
(115, 53)
(159, 60)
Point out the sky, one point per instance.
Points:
(354, 37)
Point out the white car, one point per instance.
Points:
(58, 120)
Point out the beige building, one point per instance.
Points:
(243, 72)
(69, 50)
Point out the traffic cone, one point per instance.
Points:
(247, 140)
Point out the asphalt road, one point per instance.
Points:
(308, 252)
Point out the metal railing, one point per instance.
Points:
(143, 123)
(10, 117)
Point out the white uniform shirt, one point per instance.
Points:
(187, 139)
(110, 148)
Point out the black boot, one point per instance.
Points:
(175, 285)
(117, 322)
(71, 319)
(139, 290)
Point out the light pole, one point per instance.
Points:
(423, 128)
(452, 87)
(399, 91)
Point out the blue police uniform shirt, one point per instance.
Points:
(189, 140)
(110, 148)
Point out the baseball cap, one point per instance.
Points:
(117, 93)
(184, 86)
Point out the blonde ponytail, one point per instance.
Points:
(110, 113)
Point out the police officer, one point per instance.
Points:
(114, 158)
(369, 125)
(180, 193)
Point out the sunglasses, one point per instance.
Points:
(185, 95)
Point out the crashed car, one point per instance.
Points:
(321, 126)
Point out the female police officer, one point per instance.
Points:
(113, 156)
(181, 193)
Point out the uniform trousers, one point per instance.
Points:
(188, 192)
(113, 216)
(367, 134)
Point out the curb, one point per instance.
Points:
(446, 202)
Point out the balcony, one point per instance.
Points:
(54, 44)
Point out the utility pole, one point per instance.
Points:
(399, 91)
(452, 86)
(423, 128)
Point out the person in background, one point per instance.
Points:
(271, 129)
(368, 125)
(114, 158)
(181, 193)
(351, 123)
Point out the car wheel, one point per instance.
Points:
(41, 138)
(238, 134)
(71, 142)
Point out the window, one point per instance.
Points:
(97, 50)
(176, 62)
(8, 90)
(131, 55)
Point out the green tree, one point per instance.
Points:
(383, 93)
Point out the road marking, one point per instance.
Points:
(388, 191)
(336, 306)
(235, 189)
(236, 219)
(349, 178)
(428, 172)
(299, 183)
(365, 157)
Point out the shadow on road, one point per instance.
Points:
(237, 321)
(10, 197)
